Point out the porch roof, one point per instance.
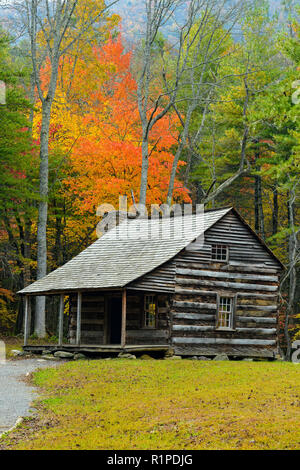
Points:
(125, 253)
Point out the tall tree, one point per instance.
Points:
(284, 120)
(157, 14)
(207, 45)
(232, 133)
(54, 29)
(17, 172)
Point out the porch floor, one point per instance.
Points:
(96, 348)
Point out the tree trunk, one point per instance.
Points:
(144, 172)
(258, 204)
(58, 251)
(27, 253)
(183, 139)
(40, 312)
(275, 212)
(173, 173)
(293, 273)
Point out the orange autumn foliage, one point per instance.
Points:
(100, 123)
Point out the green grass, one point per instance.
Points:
(16, 342)
(11, 342)
(134, 404)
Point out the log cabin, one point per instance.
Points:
(150, 285)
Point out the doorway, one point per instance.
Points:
(114, 320)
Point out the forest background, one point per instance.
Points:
(190, 102)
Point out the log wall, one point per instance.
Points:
(252, 275)
(92, 318)
(161, 279)
(135, 333)
(187, 289)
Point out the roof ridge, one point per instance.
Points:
(219, 209)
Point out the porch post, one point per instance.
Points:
(61, 320)
(123, 331)
(78, 332)
(27, 321)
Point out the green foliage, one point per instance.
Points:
(244, 68)
(15, 157)
(17, 175)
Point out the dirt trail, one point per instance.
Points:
(16, 395)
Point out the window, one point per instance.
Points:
(219, 253)
(150, 311)
(226, 307)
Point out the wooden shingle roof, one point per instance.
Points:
(126, 253)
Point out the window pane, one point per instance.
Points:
(150, 311)
(219, 252)
(225, 314)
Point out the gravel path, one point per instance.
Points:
(15, 395)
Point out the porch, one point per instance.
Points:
(105, 322)
(95, 348)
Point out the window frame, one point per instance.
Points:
(233, 298)
(150, 327)
(220, 245)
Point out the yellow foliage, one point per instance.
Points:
(7, 316)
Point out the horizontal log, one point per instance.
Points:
(254, 331)
(258, 296)
(202, 305)
(254, 342)
(95, 328)
(193, 291)
(194, 316)
(131, 297)
(223, 230)
(252, 313)
(261, 308)
(134, 312)
(156, 285)
(151, 288)
(94, 309)
(192, 328)
(157, 281)
(94, 298)
(91, 334)
(147, 333)
(257, 331)
(91, 321)
(256, 319)
(228, 285)
(181, 291)
(157, 278)
(211, 306)
(237, 351)
(253, 268)
(260, 299)
(233, 266)
(226, 275)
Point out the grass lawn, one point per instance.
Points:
(11, 343)
(16, 342)
(156, 404)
